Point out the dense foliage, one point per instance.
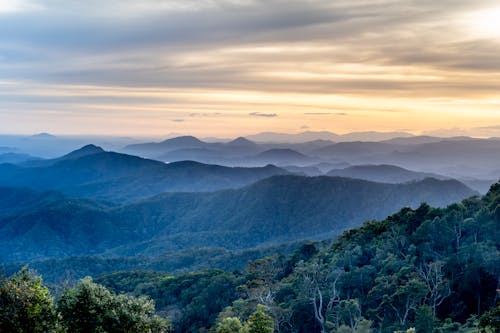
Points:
(51, 226)
(26, 306)
(425, 269)
(192, 300)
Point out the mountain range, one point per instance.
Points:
(94, 173)
(275, 210)
(268, 137)
(382, 173)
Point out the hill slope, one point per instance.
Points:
(94, 173)
(382, 173)
(274, 210)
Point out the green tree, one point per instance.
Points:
(424, 319)
(90, 308)
(260, 321)
(364, 326)
(231, 325)
(350, 313)
(490, 321)
(26, 305)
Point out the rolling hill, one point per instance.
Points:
(280, 156)
(91, 172)
(275, 210)
(382, 173)
(153, 149)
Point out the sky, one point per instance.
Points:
(231, 68)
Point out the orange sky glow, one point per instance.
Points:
(231, 68)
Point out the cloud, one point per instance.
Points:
(178, 120)
(259, 114)
(186, 44)
(360, 56)
(326, 113)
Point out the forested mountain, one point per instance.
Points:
(274, 210)
(430, 269)
(91, 172)
(382, 173)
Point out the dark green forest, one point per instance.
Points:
(420, 270)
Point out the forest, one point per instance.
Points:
(419, 270)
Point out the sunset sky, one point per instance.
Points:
(230, 68)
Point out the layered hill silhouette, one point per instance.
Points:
(281, 156)
(15, 158)
(156, 148)
(382, 173)
(275, 210)
(94, 173)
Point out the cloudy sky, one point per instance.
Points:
(228, 68)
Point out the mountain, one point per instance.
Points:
(202, 155)
(373, 136)
(281, 156)
(48, 146)
(191, 148)
(324, 167)
(152, 149)
(357, 152)
(94, 173)
(240, 147)
(456, 158)
(241, 142)
(293, 138)
(481, 185)
(84, 151)
(325, 135)
(274, 210)
(81, 152)
(303, 170)
(421, 139)
(382, 173)
(16, 158)
(44, 136)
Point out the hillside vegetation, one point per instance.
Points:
(272, 211)
(420, 270)
(432, 269)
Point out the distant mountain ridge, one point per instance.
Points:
(383, 173)
(281, 156)
(155, 148)
(325, 135)
(91, 172)
(16, 158)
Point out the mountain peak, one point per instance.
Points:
(241, 141)
(183, 139)
(84, 151)
(282, 152)
(43, 136)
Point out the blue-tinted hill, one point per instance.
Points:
(94, 173)
(272, 211)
